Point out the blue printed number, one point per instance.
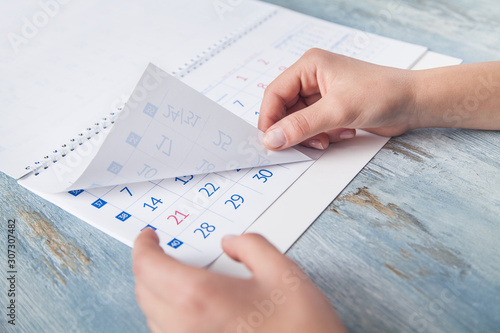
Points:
(175, 243)
(150, 110)
(224, 140)
(206, 167)
(127, 190)
(209, 188)
(205, 229)
(75, 192)
(99, 203)
(133, 139)
(123, 216)
(187, 117)
(184, 179)
(263, 174)
(235, 198)
(148, 172)
(154, 203)
(115, 168)
(165, 145)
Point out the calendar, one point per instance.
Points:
(159, 140)
(166, 130)
(185, 157)
(190, 214)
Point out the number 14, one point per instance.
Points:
(154, 202)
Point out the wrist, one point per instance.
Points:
(415, 115)
(403, 105)
(462, 96)
(426, 101)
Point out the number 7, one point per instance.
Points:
(126, 188)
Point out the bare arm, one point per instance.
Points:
(324, 97)
(465, 96)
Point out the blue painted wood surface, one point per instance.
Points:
(411, 245)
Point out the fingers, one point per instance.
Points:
(307, 104)
(146, 249)
(152, 305)
(319, 141)
(322, 140)
(256, 253)
(156, 270)
(301, 125)
(298, 81)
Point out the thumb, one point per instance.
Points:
(256, 253)
(300, 125)
(153, 266)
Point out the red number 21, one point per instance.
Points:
(176, 219)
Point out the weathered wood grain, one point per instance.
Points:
(411, 245)
(71, 276)
(465, 29)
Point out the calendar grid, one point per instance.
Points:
(192, 213)
(144, 222)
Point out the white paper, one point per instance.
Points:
(82, 59)
(193, 212)
(166, 130)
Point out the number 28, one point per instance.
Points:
(205, 229)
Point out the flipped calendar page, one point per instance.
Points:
(64, 75)
(192, 213)
(166, 130)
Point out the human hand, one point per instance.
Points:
(324, 97)
(179, 298)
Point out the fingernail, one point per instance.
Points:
(315, 144)
(275, 138)
(348, 134)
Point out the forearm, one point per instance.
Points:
(325, 96)
(464, 96)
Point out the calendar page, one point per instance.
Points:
(67, 73)
(191, 213)
(166, 129)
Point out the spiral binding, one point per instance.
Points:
(73, 143)
(217, 47)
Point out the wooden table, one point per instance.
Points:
(411, 245)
